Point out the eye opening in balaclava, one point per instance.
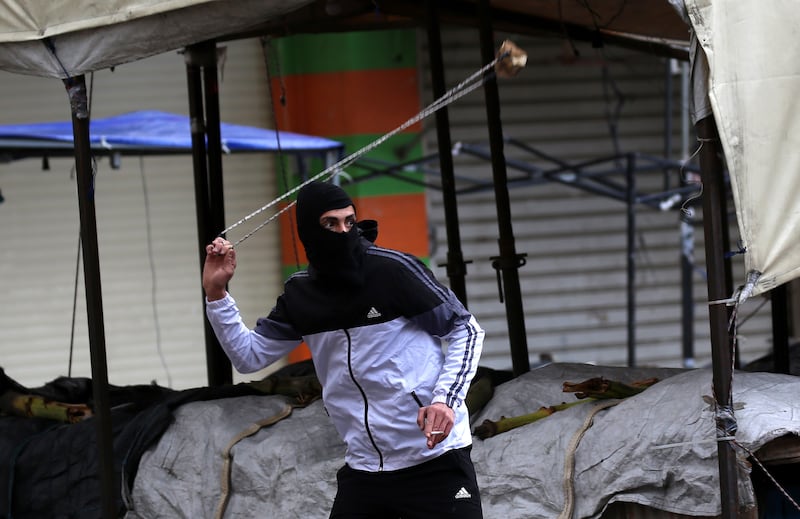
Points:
(313, 200)
(333, 255)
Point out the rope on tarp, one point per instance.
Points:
(569, 457)
(227, 457)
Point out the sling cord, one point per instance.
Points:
(467, 86)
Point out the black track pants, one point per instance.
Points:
(442, 488)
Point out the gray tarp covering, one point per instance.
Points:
(656, 449)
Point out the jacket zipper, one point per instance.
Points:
(366, 402)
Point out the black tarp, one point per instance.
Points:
(48, 469)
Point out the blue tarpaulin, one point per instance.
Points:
(149, 132)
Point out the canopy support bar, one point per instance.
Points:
(76, 89)
(509, 261)
(456, 266)
(201, 75)
(630, 174)
(779, 298)
(715, 229)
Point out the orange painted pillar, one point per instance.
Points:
(354, 88)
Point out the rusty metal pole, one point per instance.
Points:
(711, 170)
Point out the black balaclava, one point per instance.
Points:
(335, 257)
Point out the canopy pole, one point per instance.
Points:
(630, 174)
(686, 233)
(201, 71)
(456, 266)
(509, 262)
(711, 170)
(687, 292)
(779, 299)
(76, 89)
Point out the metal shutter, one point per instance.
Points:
(574, 283)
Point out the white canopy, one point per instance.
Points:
(47, 39)
(754, 77)
(753, 68)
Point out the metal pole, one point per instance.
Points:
(109, 481)
(509, 261)
(780, 329)
(687, 292)
(206, 157)
(456, 266)
(631, 235)
(686, 238)
(687, 307)
(668, 93)
(711, 169)
(220, 371)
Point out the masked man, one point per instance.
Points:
(394, 350)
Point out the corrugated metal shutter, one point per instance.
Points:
(574, 283)
(147, 231)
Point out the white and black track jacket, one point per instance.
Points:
(402, 332)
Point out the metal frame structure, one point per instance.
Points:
(596, 176)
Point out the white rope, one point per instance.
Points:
(568, 482)
(465, 87)
(227, 456)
